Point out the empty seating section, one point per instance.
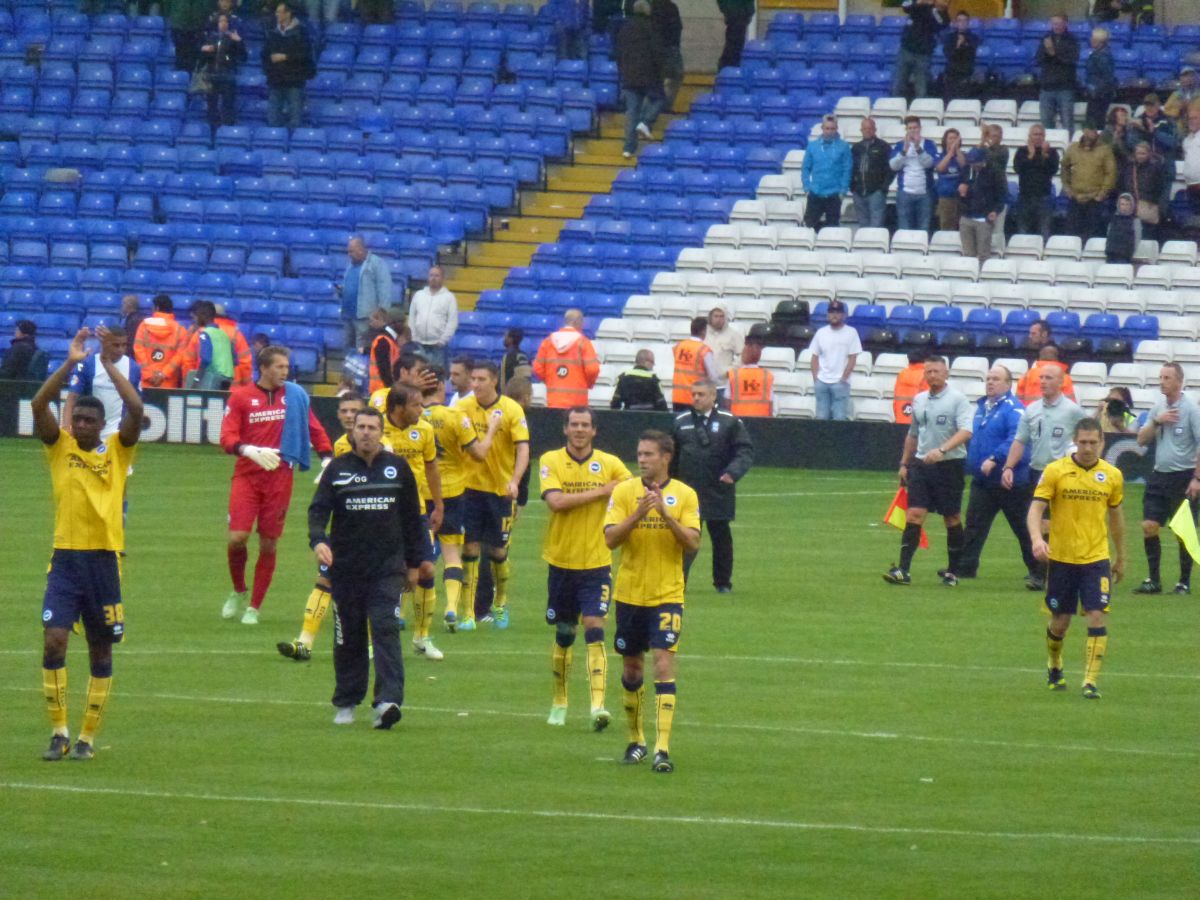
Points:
(416, 133)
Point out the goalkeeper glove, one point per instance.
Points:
(325, 461)
(265, 457)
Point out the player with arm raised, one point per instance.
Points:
(576, 483)
(655, 520)
(88, 473)
(269, 425)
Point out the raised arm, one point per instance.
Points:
(45, 426)
(131, 420)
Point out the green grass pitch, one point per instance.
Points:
(835, 736)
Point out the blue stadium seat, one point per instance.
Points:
(72, 254)
(983, 321)
(1140, 328)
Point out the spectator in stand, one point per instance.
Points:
(726, 342)
(870, 176)
(160, 341)
(693, 362)
(949, 172)
(959, 45)
(638, 388)
(1156, 128)
(641, 66)
(1036, 164)
(187, 20)
(224, 51)
(515, 363)
(372, 12)
(287, 61)
(1183, 97)
(131, 315)
(567, 363)
(1089, 174)
(208, 359)
(433, 316)
(982, 194)
(1115, 412)
(669, 26)
(1057, 57)
(835, 348)
(751, 387)
(323, 13)
(1144, 178)
(992, 140)
(1038, 336)
(914, 158)
(1191, 157)
(1099, 79)
(1029, 388)
(926, 20)
(21, 353)
(1118, 135)
(825, 174)
(910, 381)
(737, 15)
(1108, 10)
(366, 286)
(1124, 232)
(385, 342)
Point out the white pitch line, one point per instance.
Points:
(707, 821)
(712, 726)
(877, 493)
(691, 657)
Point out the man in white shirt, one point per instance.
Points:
(89, 378)
(835, 348)
(726, 342)
(433, 317)
(1191, 157)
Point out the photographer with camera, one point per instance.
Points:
(1115, 412)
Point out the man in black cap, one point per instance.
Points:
(835, 348)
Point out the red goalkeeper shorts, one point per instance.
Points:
(261, 497)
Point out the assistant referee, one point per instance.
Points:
(377, 542)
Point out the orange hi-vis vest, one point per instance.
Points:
(243, 368)
(689, 368)
(567, 362)
(375, 381)
(158, 347)
(750, 391)
(909, 383)
(1029, 388)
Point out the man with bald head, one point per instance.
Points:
(366, 287)
(870, 176)
(997, 418)
(1046, 429)
(567, 362)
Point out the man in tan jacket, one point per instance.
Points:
(1089, 174)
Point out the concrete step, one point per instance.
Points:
(527, 230)
(470, 280)
(603, 151)
(499, 254)
(582, 179)
(553, 204)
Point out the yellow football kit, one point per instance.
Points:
(575, 537)
(1079, 500)
(651, 568)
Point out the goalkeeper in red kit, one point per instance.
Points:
(270, 426)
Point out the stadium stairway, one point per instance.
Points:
(569, 187)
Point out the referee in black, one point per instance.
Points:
(377, 541)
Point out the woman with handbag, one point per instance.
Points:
(223, 52)
(1144, 177)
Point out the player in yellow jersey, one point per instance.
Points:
(408, 369)
(491, 489)
(412, 438)
(655, 519)
(1083, 493)
(318, 600)
(84, 581)
(576, 482)
(456, 443)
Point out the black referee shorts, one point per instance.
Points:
(937, 487)
(1165, 491)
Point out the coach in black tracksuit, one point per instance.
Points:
(713, 451)
(377, 541)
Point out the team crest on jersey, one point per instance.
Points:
(414, 435)
(1101, 477)
(594, 467)
(545, 471)
(671, 501)
(389, 472)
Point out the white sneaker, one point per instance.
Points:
(627, 154)
(233, 603)
(250, 616)
(345, 716)
(386, 715)
(425, 647)
(644, 130)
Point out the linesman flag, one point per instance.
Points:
(1184, 527)
(895, 517)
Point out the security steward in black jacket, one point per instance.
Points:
(377, 540)
(713, 451)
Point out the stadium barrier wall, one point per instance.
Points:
(194, 417)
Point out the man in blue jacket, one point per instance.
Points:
(996, 418)
(913, 160)
(366, 287)
(825, 173)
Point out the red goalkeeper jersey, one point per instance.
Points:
(255, 416)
